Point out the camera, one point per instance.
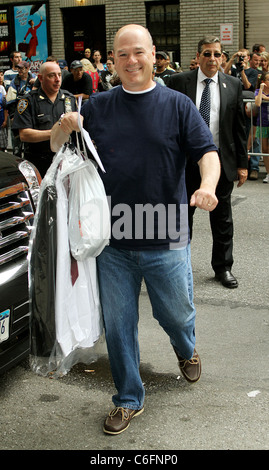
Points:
(240, 64)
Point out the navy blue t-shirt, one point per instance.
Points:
(143, 141)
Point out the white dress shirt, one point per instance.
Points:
(214, 102)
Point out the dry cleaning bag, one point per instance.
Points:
(89, 226)
(66, 320)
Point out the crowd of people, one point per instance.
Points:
(91, 75)
(82, 78)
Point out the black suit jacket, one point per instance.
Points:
(232, 134)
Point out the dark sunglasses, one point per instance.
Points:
(208, 54)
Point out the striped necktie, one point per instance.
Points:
(205, 102)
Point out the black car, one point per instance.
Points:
(19, 188)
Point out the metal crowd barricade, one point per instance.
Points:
(252, 102)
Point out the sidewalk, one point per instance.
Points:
(226, 409)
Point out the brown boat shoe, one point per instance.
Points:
(190, 368)
(119, 419)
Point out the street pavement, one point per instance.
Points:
(228, 407)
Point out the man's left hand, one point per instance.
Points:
(204, 200)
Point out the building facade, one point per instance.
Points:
(176, 25)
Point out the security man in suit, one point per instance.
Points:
(37, 112)
(227, 124)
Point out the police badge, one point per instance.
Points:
(68, 105)
(22, 105)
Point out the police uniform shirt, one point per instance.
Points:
(37, 111)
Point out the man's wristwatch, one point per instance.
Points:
(60, 120)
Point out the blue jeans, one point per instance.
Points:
(168, 277)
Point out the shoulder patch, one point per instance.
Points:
(22, 105)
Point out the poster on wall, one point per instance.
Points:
(4, 40)
(31, 33)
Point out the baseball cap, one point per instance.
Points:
(23, 63)
(62, 63)
(162, 53)
(76, 64)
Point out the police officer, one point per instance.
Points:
(38, 111)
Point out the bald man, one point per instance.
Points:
(38, 111)
(143, 132)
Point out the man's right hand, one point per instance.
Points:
(69, 122)
(63, 128)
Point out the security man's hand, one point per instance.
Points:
(242, 174)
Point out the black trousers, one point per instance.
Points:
(221, 220)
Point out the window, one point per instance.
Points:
(164, 26)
